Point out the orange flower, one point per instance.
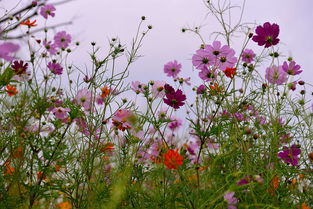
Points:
(11, 90)
(275, 182)
(304, 206)
(9, 169)
(28, 23)
(216, 89)
(230, 72)
(172, 159)
(105, 92)
(107, 147)
(64, 205)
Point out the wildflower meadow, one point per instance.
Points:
(238, 134)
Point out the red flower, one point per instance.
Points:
(28, 23)
(11, 90)
(230, 72)
(172, 159)
(105, 92)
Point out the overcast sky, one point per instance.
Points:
(99, 20)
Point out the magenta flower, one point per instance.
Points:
(276, 75)
(6, 49)
(83, 98)
(248, 56)
(172, 69)
(245, 180)
(292, 68)
(267, 35)
(202, 59)
(55, 68)
(47, 10)
(60, 112)
(201, 89)
(19, 67)
(290, 155)
(158, 89)
(173, 98)
(51, 48)
(62, 39)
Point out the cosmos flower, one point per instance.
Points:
(290, 155)
(11, 90)
(174, 98)
(61, 112)
(55, 68)
(230, 72)
(62, 39)
(202, 59)
(276, 75)
(51, 48)
(47, 10)
(172, 69)
(292, 68)
(138, 87)
(158, 89)
(83, 98)
(19, 67)
(175, 123)
(208, 74)
(28, 23)
(248, 56)
(201, 89)
(267, 35)
(121, 119)
(172, 159)
(6, 49)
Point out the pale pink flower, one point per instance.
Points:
(276, 75)
(83, 98)
(158, 89)
(60, 112)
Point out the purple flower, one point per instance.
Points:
(290, 155)
(201, 89)
(175, 123)
(276, 75)
(47, 10)
(231, 200)
(51, 48)
(267, 35)
(173, 98)
(158, 89)
(83, 98)
(6, 49)
(62, 39)
(60, 112)
(207, 74)
(292, 68)
(172, 69)
(55, 68)
(202, 59)
(247, 55)
(245, 180)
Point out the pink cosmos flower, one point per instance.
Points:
(292, 68)
(121, 119)
(62, 39)
(172, 69)
(290, 155)
(61, 112)
(276, 75)
(51, 48)
(248, 56)
(158, 89)
(83, 98)
(231, 200)
(175, 123)
(138, 87)
(55, 68)
(208, 74)
(47, 10)
(227, 61)
(267, 35)
(174, 98)
(6, 49)
(82, 126)
(202, 59)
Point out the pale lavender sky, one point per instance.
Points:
(100, 20)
